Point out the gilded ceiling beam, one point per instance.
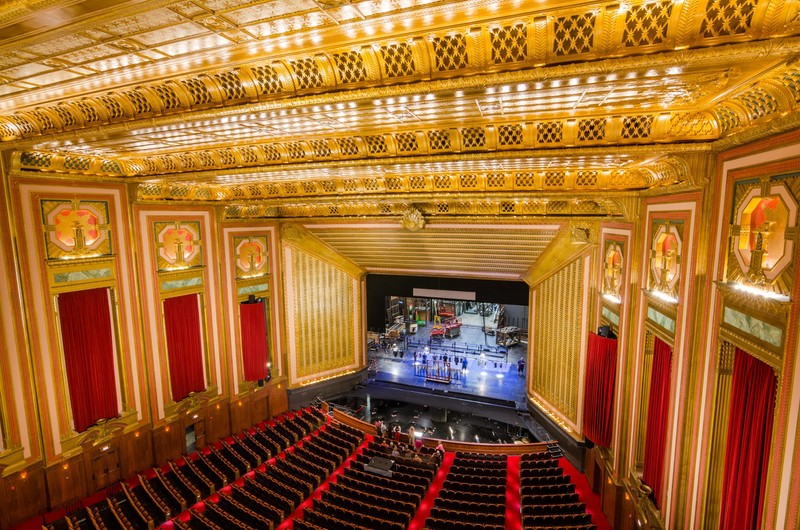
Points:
(637, 129)
(486, 207)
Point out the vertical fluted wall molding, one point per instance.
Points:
(719, 435)
(644, 394)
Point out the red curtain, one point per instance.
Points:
(749, 437)
(657, 414)
(253, 321)
(88, 355)
(184, 345)
(598, 398)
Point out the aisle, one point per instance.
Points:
(424, 510)
(587, 496)
(513, 516)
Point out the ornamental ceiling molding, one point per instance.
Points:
(503, 46)
(556, 182)
(641, 129)
(489, 207)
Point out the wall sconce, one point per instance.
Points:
(23, 474)
(65, 466)
(136, 434)
(763, 293)
(664, 297)
(166, 429)
(616, 300)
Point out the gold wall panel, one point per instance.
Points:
(325, 314)
(557, 347)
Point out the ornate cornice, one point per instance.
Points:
(505, 136)
(442, 207)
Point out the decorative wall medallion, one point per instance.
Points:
(412, 220)
(75, 229)
(612, 270)
(580, 235)
(178, 245)
(665, 256)
(762, 236)
(250, 254)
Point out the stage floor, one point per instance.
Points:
(493, 374)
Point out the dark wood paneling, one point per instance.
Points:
(589, 468)
(610, 498)
(240, 413)
(137, 451)
(169, 442)
(278, 399)
(259, 406)
(218, 422)
(23, 495)
(627, 520)
(67, 481)
(103, 465)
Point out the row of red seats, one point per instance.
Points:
(299, 472)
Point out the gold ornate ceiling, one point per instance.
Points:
(255, 99)
(486, 111)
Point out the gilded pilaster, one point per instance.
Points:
(644, 394)
(718, 435)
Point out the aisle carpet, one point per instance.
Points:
(424, 510)
(591, 499)
(513, 518)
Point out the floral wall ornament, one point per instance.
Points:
(75, 228)
(178, 244)
(412, 220)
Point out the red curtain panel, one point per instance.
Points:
(253, 322)
(184, 345)
(88, 342)
(749, 437)
(657, 415)
(598, 398)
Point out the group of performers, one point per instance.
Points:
(439, 367)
